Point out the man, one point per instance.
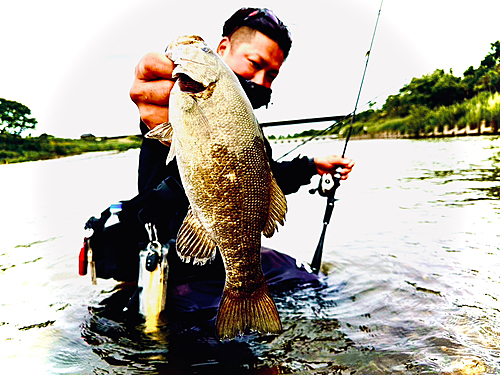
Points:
(255, 44)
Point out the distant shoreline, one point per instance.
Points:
(14, 149)
(62, 147)
(447, 132)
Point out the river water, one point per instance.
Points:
(412, 256)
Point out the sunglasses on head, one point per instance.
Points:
(264, 12)
(257, 13)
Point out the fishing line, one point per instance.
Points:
(352, 114)
(320, 132)
(362, 80)
(328, 184)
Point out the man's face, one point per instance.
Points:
(258, 60)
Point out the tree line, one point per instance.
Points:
(14, 148)
(15, 118)
(440, 99)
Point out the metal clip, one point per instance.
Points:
(153, 257)
(153, 248)
(153, 234)
(93, 271)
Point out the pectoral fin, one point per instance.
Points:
(277, 209)
(193, 242)
(162, 132)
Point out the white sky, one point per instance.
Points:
(72, 63)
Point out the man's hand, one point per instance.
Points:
(329, 164)
(151, 89)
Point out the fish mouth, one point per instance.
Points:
(188, 39)
(185, 40)
(187, 84)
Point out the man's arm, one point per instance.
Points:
(291, 175)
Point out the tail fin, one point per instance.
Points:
(239, 314)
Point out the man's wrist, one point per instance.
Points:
(312, 166)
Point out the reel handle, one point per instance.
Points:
(328, 184)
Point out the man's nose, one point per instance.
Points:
(260, 79)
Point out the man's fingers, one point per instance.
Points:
(350, 163)
(151, 88)
(344, 173)
(154, 66)
(153, 92)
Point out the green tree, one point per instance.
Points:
(430, 90)
(486, 76)
(416, 123)
(14, 117)
(490, 81)
(394, 106)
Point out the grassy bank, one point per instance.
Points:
(478, 115)
(481, 109)
(15, 149)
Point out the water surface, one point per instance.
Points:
(412, 255)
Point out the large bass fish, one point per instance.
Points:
(225, 172)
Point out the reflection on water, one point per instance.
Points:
(473, 174)
(412, 255)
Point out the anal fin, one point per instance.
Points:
(193, 242)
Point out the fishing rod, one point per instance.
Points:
(320, 132)
(301, 121)
(328, 184)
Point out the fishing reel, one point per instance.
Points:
(327, 187)
(327, 184)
